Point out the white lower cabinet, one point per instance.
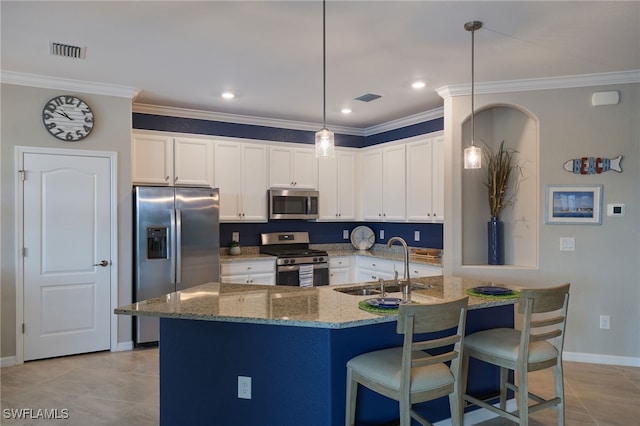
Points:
(340, 268)
(261, 272)
(372, 269)
(250, 303)
(419, 270)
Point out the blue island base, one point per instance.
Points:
(298, 374)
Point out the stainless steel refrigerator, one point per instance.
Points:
(176, 245)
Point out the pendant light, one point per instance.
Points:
(325, 141)
(473, 154)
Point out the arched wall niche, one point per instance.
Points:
(519, 129)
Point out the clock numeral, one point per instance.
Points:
(51, 125)
(79, 133)
(88, 119)
(58, 132)
(51, 107)
(68, 100)
(87, 129)
(47, 116)
(58, 101)
(69, 136)
(86, 111)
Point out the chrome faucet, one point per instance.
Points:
(406, 289)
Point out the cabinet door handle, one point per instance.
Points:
(175, 178)
(166, 178)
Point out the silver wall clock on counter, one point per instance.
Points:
(68, 118)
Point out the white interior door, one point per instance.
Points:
(67, 265)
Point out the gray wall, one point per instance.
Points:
(21, 110)
(604, 270)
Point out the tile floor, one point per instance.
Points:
(122, 389)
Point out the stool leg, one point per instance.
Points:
(523, 397)
(352, 394)
(558, 379)
(504, 375)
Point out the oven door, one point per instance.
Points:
(290, 275)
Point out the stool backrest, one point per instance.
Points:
(544, 318)
(416, 319)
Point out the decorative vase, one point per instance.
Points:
(234, 250)
(495, 240)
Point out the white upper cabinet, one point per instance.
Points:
(425, 180)
(383, 183)
(337, 186)
(293, 168)
(152, 159)
(241, 175)
(164, 160)
(193, 162)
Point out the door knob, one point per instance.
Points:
(102, 263)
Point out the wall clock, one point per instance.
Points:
(68, 118)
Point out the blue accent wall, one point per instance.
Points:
(319, 232)
(331, 232)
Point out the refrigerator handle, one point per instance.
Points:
(178, 273)
(173, 247)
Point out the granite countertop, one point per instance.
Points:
(319, 307)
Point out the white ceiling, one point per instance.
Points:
(184, 54)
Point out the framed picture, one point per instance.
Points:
(574, 204)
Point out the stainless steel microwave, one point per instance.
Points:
(293, 204)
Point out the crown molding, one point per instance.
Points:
(46, 82)
(405, 122)
(550, 83)
(239, 119)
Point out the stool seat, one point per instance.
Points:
(505, 343)
(385, 367)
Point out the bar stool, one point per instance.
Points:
(538, 346)
(409, 375)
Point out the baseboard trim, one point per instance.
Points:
(8, 361)
(480, 415)
(626, 361)
(124, 346)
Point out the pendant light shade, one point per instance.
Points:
(325, 141)
(473, 154)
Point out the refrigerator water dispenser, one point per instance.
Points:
(157, 243)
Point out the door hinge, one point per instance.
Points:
(22, 328)
(22, 175)
(23, 252)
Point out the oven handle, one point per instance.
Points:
(290, 268)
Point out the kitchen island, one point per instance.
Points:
(294, 344)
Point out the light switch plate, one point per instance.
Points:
(382, 234)
(345, 234)
(416, 235)
(567, 244)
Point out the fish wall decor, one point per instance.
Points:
(593, 165)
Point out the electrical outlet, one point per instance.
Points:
(416, 236)
(345, 234)
(244, 387)
(605, 322)
(235, 236)
(382, 234)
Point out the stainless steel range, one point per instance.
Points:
(296, 264)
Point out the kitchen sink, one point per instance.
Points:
(371, 290)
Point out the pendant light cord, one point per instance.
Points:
(473, 106)
(324, 66)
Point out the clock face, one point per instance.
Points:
(68, 118)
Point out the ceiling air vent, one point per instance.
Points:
(368, 97)
(66, 50)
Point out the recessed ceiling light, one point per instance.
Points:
(346, 110)
(418, 85)
(228, 95)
